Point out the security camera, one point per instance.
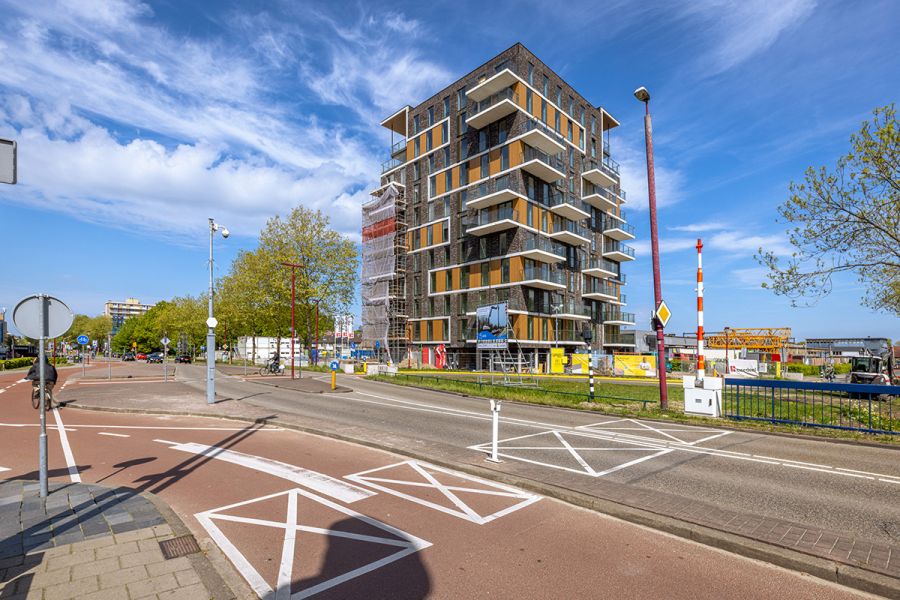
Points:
(642, 94)
(225, 233)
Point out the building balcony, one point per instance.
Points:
(491, 220)
(601, 172)
(617, 317)
(598, 289)
(568, 206)
(492, 85)
(620, 301)
(537, 135)
(617, 229)
(391, 163)
(618, 251)
(619, 339)
(398, 149)
(600, 267)
(570, 232)
(571, 310)
(541, 249)
(599, 197)
(493, 108)
(542, 165)
(490, 193)
(542, 277)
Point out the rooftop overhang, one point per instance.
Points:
(397, 121)
(492, 85)
(609, 121)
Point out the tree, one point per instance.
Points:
(846, 220)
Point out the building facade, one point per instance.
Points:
(500, 188)
(120, 311)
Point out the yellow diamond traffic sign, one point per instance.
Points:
(663, 313)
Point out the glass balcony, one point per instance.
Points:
(619, 339)
(572, 310)
(599, 197)
(490, 220)
(542, 165)
(491, 192)
(538, 135)
(603, 173)
(617, 317)
(617, 228)
(600, 267)
(570, 232)
(542, 249)
(493, 108)
(399, 147)
(543, 277)
(568, 206)
(503, 79)
(618, 251)
(391, 163)
(599, 289)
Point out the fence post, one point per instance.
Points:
(773, 404)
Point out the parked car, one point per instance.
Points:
(128, 356)
(183, 358)
(141, 356)
(155, 357)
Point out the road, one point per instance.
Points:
(306, 516)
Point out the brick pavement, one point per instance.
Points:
(92, 542)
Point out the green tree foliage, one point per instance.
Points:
(96, 328)
(255, 297)
(846, 220)
(181, 315)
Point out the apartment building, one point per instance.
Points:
(499, 188)
(120, 311)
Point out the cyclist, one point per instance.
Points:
(34, 375)
(275, 366)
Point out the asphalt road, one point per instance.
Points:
(847, 488)
(312, 517)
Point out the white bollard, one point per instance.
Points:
(495, 426)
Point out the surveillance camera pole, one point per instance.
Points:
(210, 323)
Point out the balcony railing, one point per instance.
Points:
(607, 165)
(391, 163)
(544, 273)
(507, 94)
(560, 225)
(557, 199)
(489, 187)
(622, 339)
(535, 154)
(590, 189)
(606, 147)
(535, 124)
(611, 222)
(398, 147)
(491, 215)
(536, 242)
(570, 308)
(618, 315)
(618, 247)
(601, 263)
(594, 286)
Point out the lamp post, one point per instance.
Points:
(317, 300)
(211, 321)
(294, 268)
(727, 351)
(644, 96)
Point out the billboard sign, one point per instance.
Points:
(493, 326)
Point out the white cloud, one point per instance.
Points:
(699, 227)
(751, 277)
(633, 170)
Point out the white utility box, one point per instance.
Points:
(703, 397)
(373, 369)
(348, 368)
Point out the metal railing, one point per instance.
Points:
(535, 124)
(607, 165)
(483, 105)
(535, 154)
(625, 339)
(485, 188)
(544, 273)
(557, 199)
(618, 315)
(391, 163)
(398, 147)
(599, 286)
(560, 225)
(591, 189)
(854, 407)
(490, 215)
(611, 222)
(601, 263)
(618, 247)
(536, 242)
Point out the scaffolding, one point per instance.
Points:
(383, 278)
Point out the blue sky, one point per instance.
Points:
(137, 121)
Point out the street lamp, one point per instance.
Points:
(316, 300)
(727, 331)
(644, 96)
(211, 321)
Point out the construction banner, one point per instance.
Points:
(630, 365)
(557, 360)
(579, 363)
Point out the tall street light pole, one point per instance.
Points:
(294, 268)
(317, 300)
(211, 321)
(644, 96)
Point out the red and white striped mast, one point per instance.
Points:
(701, 363)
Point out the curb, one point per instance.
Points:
(840, 573)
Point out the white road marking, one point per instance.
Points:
(407, 544)
(324, 484)
(463, 511)
(154, 427)
(67, 450)
(574, 454)
(4, 469)
(120, 435)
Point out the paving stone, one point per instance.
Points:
(72, 589)
(68, 560)
(44, 579)
(119, 528)
(115, 593)
(99, 542)
(140, 534)
(116, 519)
(191, 592)
(96, 567)
(123, 577)
(141, 558)
(116, 550)
(154, 585)
(187, 578)
(169, 566)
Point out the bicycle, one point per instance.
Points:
(270, 369)
(36, 395)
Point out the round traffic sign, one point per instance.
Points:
(82, 339)
(334, 365)
(28, 316)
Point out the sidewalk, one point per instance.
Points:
(94, 542)
(828, 555)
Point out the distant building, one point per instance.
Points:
(851, 346)
(3, 347)
(120, 311)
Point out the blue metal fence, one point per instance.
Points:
(855, 407)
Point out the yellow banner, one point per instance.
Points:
(634, 366)
(557, 360)
(580, 361)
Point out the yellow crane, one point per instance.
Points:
(762, 339)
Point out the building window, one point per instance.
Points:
(448, 280)
(582, 116)
(546, 87)
(448, 180)
(504, 270)
(463, 126)
(571, 106)
(482, 140)
(430, 116)
(555, 122)
(504, 238)
(530, 73)
(428, 141)
(504, 158)
(485, 165)
(544, 334)
(482, 248)
(447, 156)
(416, 192)
(530, 328)
(544, 111)
(571, 129)
(464, 175)
(446, 106)
(445, 135)
(485, 273)
(529, 212)
(415, 124)
(529, 101)
(432, 186)
(464, 280)
(431, 164)
(417, 170)
(417, 147)
(558, 98)
(571, 158)
(461, 99)
(593, 125)
(433, 279)
(445, 233)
